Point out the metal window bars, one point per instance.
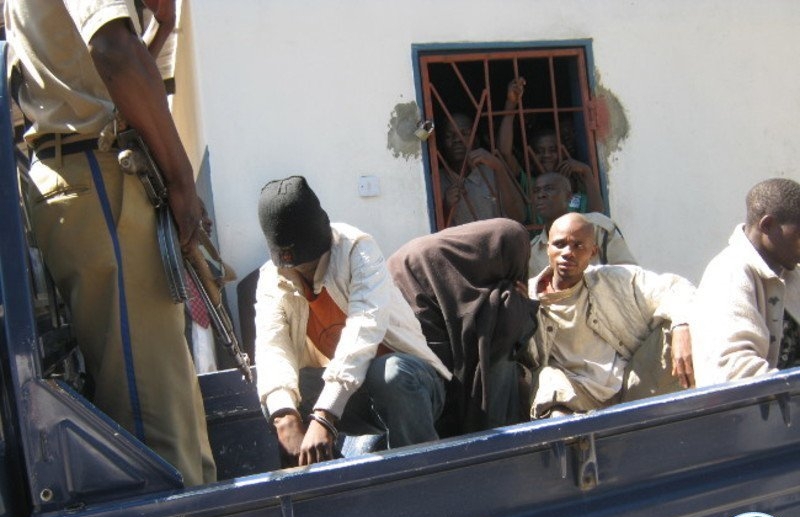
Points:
(556, 98)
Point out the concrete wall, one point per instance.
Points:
(709, 89)
(187, 109)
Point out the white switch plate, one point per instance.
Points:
(369, 186)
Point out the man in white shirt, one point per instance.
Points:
(326, 308)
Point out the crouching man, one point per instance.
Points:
(327, 310)
(466, 284)
(593, 319)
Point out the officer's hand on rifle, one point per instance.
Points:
(188, 214)
(205, 221)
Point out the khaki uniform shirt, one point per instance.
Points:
(61, 90)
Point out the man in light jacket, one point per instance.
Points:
(327, 307)
(592, 319)
(748, 303)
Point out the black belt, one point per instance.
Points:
(87, 144)
(50, 137)
(73, 148)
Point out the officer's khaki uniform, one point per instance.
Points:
(96, 229)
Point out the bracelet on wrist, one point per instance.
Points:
(280, 413)
(327, 424)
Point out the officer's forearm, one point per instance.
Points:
(134, 83)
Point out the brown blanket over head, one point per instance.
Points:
(460, 283)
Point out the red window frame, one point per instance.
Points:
(480, 91)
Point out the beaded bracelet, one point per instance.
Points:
(327, 424)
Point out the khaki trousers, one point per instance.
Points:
(96, 230)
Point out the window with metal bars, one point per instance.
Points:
(478, 169)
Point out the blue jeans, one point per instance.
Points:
(402, 397)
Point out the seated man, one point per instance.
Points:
(551, 195)
(466, 286)
(325, 300)
(593, 319)
(745, 321)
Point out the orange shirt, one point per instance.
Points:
(326, 321)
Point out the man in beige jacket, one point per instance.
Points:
(748, 303)
(593, 319)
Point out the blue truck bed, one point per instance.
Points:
(717, 451)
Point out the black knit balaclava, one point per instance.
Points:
(296, 227)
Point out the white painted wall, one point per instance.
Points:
(711, 90)
(186, 103)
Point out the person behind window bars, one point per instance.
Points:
(549, 155)
(551, 194)
(476, 183)
(593, 319)
(81, 60)
(327, 308)
(748, 302)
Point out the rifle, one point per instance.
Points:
(135, 158)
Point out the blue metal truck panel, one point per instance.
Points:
(717, 451)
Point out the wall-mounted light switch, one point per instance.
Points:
(369, 186)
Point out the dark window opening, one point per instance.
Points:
(469, 90)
